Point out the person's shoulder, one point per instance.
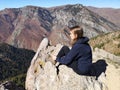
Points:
(77, 45)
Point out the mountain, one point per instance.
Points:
(110, 14)
(109, 42)
(14, 63)
(22, 27)
(25, 27)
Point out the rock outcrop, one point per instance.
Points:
(44, 75)
(10, 86)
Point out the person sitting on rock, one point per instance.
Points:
(79, 58)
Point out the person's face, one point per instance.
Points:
(72, 35)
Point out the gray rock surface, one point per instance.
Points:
(8, 85)
(43, 75)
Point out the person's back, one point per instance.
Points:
(80, 56)
(84, 57)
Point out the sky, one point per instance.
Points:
(51, 3)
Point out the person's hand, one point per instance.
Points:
(57, 63)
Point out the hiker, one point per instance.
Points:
(79, 58)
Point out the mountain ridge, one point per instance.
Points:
(25, 27)
(112, 14)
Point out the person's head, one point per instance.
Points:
(76, 32)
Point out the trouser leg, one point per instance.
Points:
(64, 51)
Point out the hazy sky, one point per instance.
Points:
(52, 3)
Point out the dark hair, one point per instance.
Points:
(78, 31)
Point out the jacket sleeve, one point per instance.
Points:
(70, 56)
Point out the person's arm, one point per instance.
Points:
(70, 56)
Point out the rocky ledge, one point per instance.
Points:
(43, 74)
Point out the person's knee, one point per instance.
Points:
(63, 51)
(66, 49)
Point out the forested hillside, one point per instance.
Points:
(14, 61)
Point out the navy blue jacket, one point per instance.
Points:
(80, 52)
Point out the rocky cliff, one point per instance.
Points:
(26, 27)
(44, 75)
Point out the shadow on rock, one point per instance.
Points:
(98, 67)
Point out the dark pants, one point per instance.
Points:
(63, 52)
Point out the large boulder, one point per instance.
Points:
(43, 74)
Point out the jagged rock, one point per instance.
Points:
(43, 45)
(67, 79)
(8, 85)
(41, 56)
(44, 75)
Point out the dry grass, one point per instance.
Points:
(109, 42)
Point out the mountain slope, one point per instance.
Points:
(110, 14)
(71, 15)
(13, 61)
(110, 42)
(25, 27)
(28, 27)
